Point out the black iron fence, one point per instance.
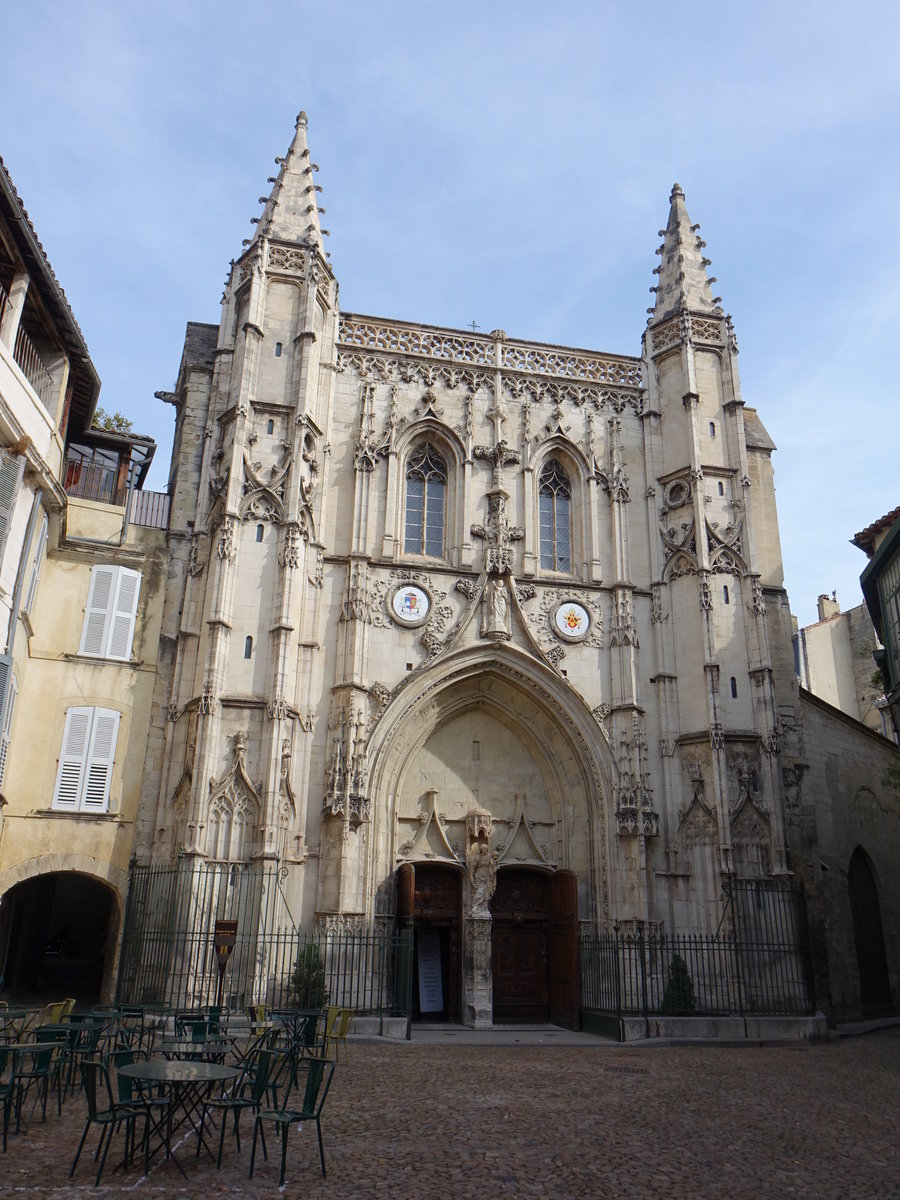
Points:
(169, 959)
(757, 964)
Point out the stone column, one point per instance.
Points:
(481, 879)
(478, 995)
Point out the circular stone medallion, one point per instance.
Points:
(571, 621)
(409, 604)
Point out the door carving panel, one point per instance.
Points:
(520, 941)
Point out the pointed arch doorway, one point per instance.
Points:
(874, 983)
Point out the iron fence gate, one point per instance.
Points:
(168, 954)
(758, 963)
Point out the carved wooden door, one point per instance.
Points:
(564, 998)
(520, 945)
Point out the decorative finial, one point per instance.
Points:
(676, 191)
(302, 119)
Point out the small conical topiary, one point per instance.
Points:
(307, 985)
(678, 998)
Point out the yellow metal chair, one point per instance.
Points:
(50, 1014)
(337, 1033)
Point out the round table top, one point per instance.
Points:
(177, 1070)
(211, 1045)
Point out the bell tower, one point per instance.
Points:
(709, 499)
(249, 479)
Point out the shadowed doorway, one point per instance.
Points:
(57, 936)
(434, 894)
(874, 985)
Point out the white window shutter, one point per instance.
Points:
(100, 759)
(36, 565)
(96, 615)
(11, 468)
(124, 611)
(7, 725)
(76, 738)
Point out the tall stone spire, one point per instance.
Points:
(683, 282)
(291, 212)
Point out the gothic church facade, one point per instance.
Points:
(483, 634)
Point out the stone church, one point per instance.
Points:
(484, 636)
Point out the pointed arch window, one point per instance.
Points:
(426, 489)
(555, 509)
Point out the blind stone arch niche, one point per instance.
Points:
(532, 712)
(232, 812)
(447, 447)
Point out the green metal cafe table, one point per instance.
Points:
(186, 1083)
(212, 1047)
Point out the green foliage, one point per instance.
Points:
(678, 998)
(111, 422)
(878, 681)
(307, 986)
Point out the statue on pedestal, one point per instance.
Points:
(482, 865)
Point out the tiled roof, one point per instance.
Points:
(865, 539)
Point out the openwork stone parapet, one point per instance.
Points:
(373, 338)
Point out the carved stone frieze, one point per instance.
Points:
(341, 923)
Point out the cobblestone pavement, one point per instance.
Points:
(599, 1121)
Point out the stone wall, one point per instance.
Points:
(843, 804)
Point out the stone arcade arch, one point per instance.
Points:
(491, 747)
(58, 937)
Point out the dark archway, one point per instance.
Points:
(57, 938)
(433, 893)
(874, 984)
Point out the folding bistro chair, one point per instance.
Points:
(313, 1076)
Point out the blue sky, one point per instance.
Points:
(505, 162)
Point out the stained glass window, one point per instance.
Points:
(426, 485)
(555, 514)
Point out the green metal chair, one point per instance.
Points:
(314, 1075)
(249, 1092)
(86, 1045)
(37, 1068)
(130, 1097)
(97, 1090)
(8, 1064)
